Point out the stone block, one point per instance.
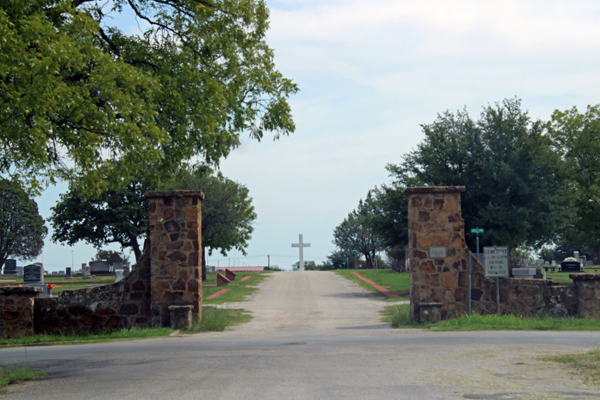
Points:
(180, 317)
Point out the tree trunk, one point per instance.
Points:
(136, 250)
(203, 263)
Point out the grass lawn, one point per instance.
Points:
(238, 290)
(587, 364)
(393, 281)
(61, 283)
(399, 317)
(10, 375)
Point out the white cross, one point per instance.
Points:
(301, 246)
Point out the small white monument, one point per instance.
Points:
(119, 275)
(301, 245)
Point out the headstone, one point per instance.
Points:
(10, 267)
(524, 273)
(61, 272)
(99, 267)
(553, 262)
(85, 269)
(576, 255)
(570, 266)
(125, 270)
(33, 273)
(54, 272)
(119, 275)
(19, 271)
(69, 274)
(546, 262)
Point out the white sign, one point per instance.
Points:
(437, 252)
(495, 261)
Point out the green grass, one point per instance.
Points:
(10, 375)
(95, 337)
(61, 283)
(587, 364)
(393, 281)
(217, 319)
(238, 290)
(399, 317)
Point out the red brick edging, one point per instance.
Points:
(215, 295)
(245, 278)
(379, 288)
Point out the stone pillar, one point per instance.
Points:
(587, 287)
(437, 259)
(16, 305)
(175, 237)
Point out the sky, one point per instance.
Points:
(370, 73)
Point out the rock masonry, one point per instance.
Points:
(440, 280)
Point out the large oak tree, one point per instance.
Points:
(77, 93)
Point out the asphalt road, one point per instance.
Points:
(314, 336)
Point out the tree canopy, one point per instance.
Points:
(356, 233)
(114, 216)
(515, 184)
(22, 229)
(577, 139)
(82, 99)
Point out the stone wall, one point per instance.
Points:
(16, 310)
(176, 253)
(104, 308)
(438, 266)
(168, 274)
(588, 290)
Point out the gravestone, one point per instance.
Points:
(99, 267)
(553, 262)
(85, 270)
(19, 271)
(54, 272)
(61, 272)
(69, 274)
(524, 273)
(570, 266)
(33, 273)
(119, 275)
(10, 267)
(125, 270)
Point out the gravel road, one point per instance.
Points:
(314, 336)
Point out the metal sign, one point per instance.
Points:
(437, 252)
(495, 261)
(477, 230)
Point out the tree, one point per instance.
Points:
(515, 182)
(114, 216)
(22, 229)
(113, 257)
(79, 94)
(577, 139)
(356, 233)
(227, 210)
(308, 266)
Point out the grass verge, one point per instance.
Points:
(217, 319)
(239, 290)
(399, 317)
(23, 373)
(587, 364)
(124, 334)
(392, 281)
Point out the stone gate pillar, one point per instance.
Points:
(175, 238)
(436, 244)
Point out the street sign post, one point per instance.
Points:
(477, 231)
(496, 265)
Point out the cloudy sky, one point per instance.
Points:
(369, 74)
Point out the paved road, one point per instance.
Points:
(314, 336)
